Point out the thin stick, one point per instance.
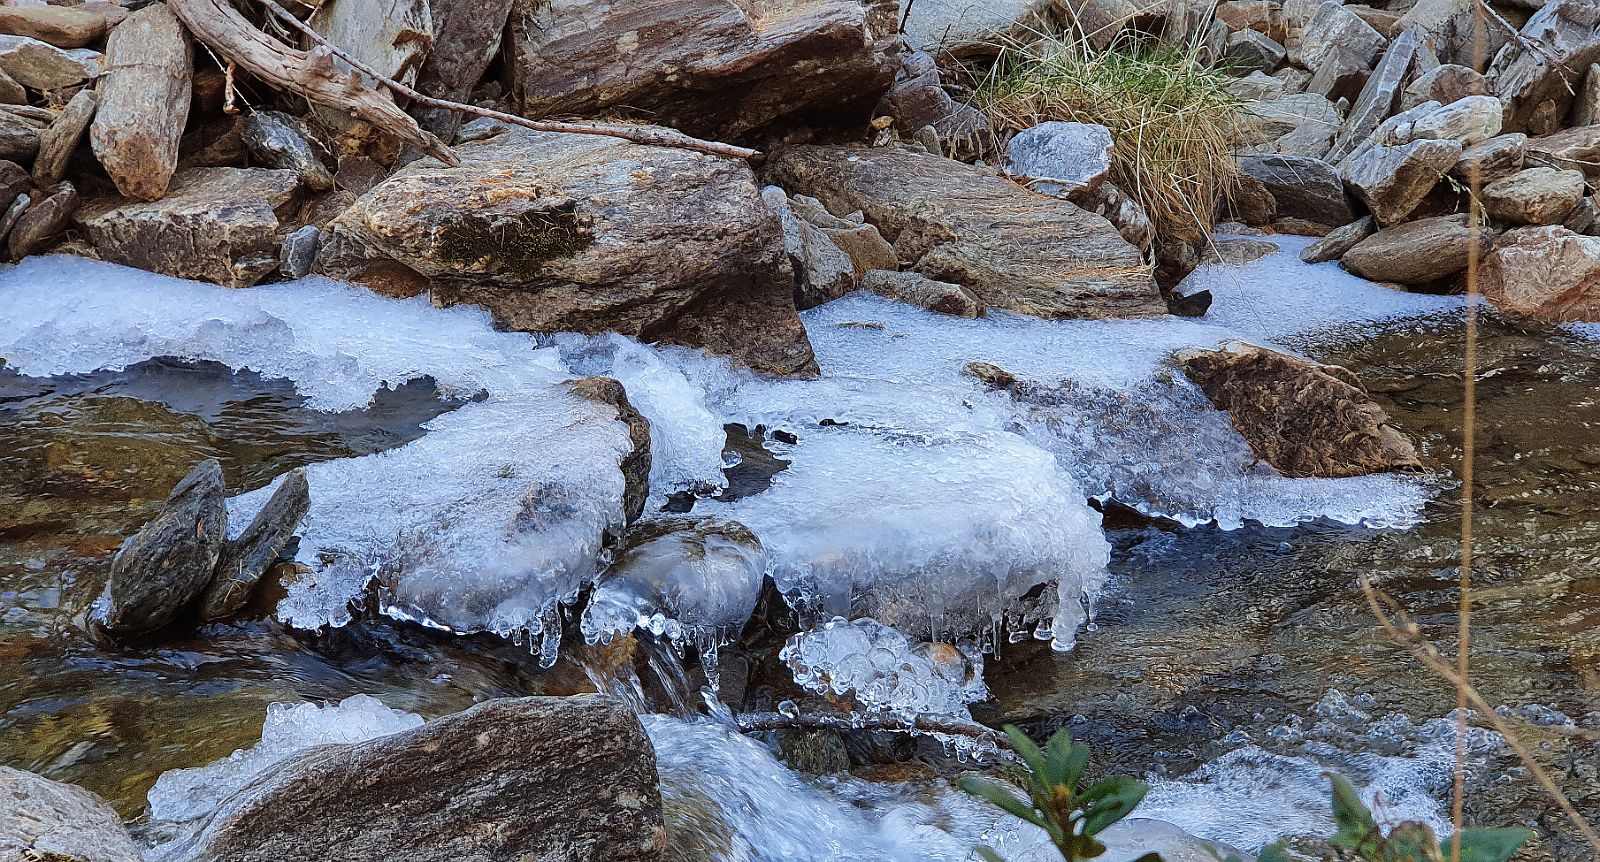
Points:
(637, 134)
(1409, 635)
(755, 722)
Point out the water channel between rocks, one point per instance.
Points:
(1230, 657)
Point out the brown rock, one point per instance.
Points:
(466, 38)
(822, 270)
(43, 221)
(586, 233)
(1533, 196)
(635, 465)
(1341, 76)
(865, 246)
(19, 139)
(1575, 149)
(1303, 418)
(1334, 245)
(60, 138)
(144, 102)
(53, 822)
(1251, 202)
(40, 65)
(1586, 105)
(166, 565)
(1444, 84)
(918, 99)
(1500, 156)
(217, 224)
(1302, 187)
(1392, 181)
(1544, 273)
(918, 289)
(1014, 249)
(703, 66)
(61, 26)
(509, 779)
(1418, 252)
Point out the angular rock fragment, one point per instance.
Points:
(1335, 28)
(822, 270)
(962, 28)
(60, 138)
(1469, 120)
(1500, 156)
(1458, 31)
(40, 65)
(1377, 99)
(1572, 149)
(276, 140)
(144, 102)
(1444, 84)
(1537, 73)
(54, 822)
(1533, 196)
(1249, 51)
(166, 565)
(1419, 252)
(918, 289)
(389, 36)
(19, 139)
(1303, 418)
(1391, 181)
(61, 26)
(1058, 158)
(1544, 273)
(1302, 187)
(918, 99)
(43, 220)
(466, 38)
(299, 251)
(1337, 242)
(246, 559)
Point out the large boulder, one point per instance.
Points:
(1392, 181)
(1533, 196)
(1544, 273)
(584, 233)
(963, 28)
(1537, 73)
(223, 225)
(1419, 252)
(161, 569)
(510, 779)
(49, 821)
(1303, 418)
(1014, 249)
(708, 67)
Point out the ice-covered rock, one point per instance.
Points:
(884, 672)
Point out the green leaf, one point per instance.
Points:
(987, 854)
(1003, 799)
(1480, 844)
(1057, 754)
(1029, 753)
(1111, 800)
(1357, 830)
(1270, 853)
(1411, 842)
(1076, 761)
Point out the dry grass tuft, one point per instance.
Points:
(1172, 119)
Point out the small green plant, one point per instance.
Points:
(1410, 841)
(1051, 777)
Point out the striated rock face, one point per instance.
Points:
(711, 68)
(584, 233)
(1301, 187)
(246, 559)
(635, 465)
(964, 28)
(159, 570)
(1303, 418)
(1544, 273)
(918, 289)
(217, 224)
(1392, 181)
(917, 99)
(1014, 249)
(1537, 73)
(49, 821)
(1534, 196)
(509, 779)
(1417, 252)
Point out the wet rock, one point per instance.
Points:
(1014, 249)
(276, 140)
(1533, 196)
(215, 224)
(1392, 181)
(47, 821)
(1061, 159)
(1500, 156)
(589, 234)
(524, 778)
(918, 289)
(1377, 99)
(694, 580)
(1301, 187)
(159, 570)
(1539, 71)
(60, 138)
(61, 26)
(246, 559)
(1337, 242)
(1303, 418)
(917, 99)
(1444, 84)
(710, 69)
(466, 39)
(635, 465)
(43, 221)
(1575, 149)
(1419, 252)
(813, 751)
(299, 251)
(822, 270)
(1335, 28)
(40, 65)
(1249, 51)
(1544, 273)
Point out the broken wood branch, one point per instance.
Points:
(757, 722)
(638, 134)
(310, 74)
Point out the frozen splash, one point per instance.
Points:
(883, 672)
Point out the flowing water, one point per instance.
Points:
(1227, 661)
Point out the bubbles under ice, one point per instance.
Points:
(883, 672)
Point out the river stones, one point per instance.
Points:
(1419, 252)
(50, 821)
(1301, 187)
(277, 140)
(584, 233)
(1544, 273)
(159, 570)
(918, 289)
(513, 778)
(246, 559)
(1303, 418)
(1014, 249)
(1533, 196)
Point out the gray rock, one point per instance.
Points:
(1500, 156)
(597, 234)
(1300, 124)
(1419, 252)
(42, 66)
(1333, 28)
(61, 137)
(509, 779)
(246, 559)
(216, 224)
(19, 139)
(822, 270)
(1341, 76)
(13, 214)
(1124, 212)
(1575, 149)
(1537, 73)
(1237, 251)
(14, 180)
(918, 289)
(1444, 84)
(1256, 87)
(1338, 241)
(11, 92)
(1014, 249)
(1544, 273)
(1391, 181)
(159, 570)
(1533, 196)
(963, 28)
(1586, 105)
(1377, 99)
(1059, 158)
(1302, 187)
(276, 140)
(1249, 51)
(1458, 31)
(43, 220)
(466, 39)
(299, 251)
(47, 821)
(1469, 120)
(1584, 218)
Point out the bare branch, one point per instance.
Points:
(755, 722)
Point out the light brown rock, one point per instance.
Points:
(1586, 105)
(391, 36)
(1013, 248)
(1572, 149)
(144, 102)
(918, 289)
(1500, 156)
(54, 822)
(1533, 196)
(40, 65)
(43, 220)
(1444, 84)
(19, 139)
(60, 138)
(866, 247)
(217, 224)
(61, 26)
(1303, 418)
(1417, 253)
(1340, 240)
(1545, 273)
